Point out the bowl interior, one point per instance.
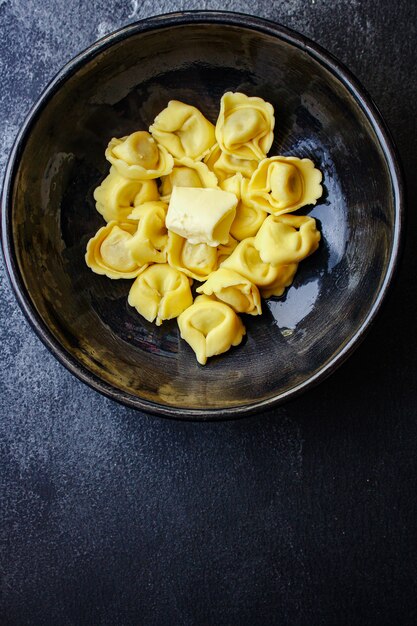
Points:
(121, 89)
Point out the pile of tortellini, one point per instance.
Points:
(265, 243)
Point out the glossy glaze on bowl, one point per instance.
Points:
(118, 86)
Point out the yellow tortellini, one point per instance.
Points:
(187, 173)
(245, 260)
(160, 293)
(283, 184)
(183, 130)
(108, 251)
(139, 157)
(226, 165)
(210, 328)
(287, 238)
(196, 260)
(148, 244)
(245, 126)
(174, 193)
(248, 220)
(233, 289)
(116, 195)
(285, 276)
(225, 250)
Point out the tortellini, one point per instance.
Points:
(108, 251)
(287, 239)
(183, 130)
(226, 165)
(116, 195)
(210, 327)
(225, 250)
(148, 244)
(233, 289)
(187, 173)
(193, 201)
(196, 260)
(139, 157)
(283, 184)
(245, 126)
(248, 220)
(285, 276)
(160, 293)
(245, 260)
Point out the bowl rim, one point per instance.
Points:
(159, 22)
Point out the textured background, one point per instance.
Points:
(302, 516)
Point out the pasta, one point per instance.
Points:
(233, 289)
(160, 293)
(245, 260)
(287, 239)
(117, 195)
(210, 327)
(226, 165)
(283, 279)
(283, 184)
(187, 173)
(196, 260)
(139, 157)
(183, 130)
(225, 250)
(108, 252)
(195, 201)
(248, 220)
(148, 244)
(245, 126)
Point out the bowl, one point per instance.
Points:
(119, 85)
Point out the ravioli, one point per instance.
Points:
(160, 293)
(210, 328)
(183, 130)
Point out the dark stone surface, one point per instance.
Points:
(301, 516)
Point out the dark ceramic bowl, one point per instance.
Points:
(119, 85)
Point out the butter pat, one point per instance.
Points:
(201, 215)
